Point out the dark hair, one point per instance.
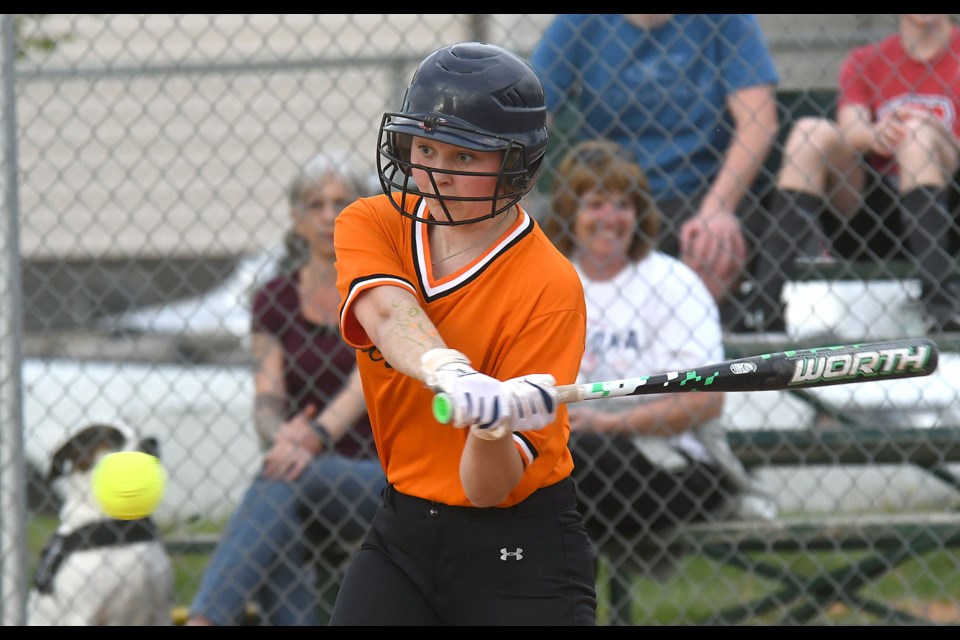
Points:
(601, 164)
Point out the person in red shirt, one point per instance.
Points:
(893, 148)
(449, 285)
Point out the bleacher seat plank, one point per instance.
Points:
(924, 447)
(849, 532)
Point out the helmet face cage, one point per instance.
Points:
(514, 177)
(475, 96)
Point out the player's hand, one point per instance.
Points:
(478, 400)
(533, 401)
(533, 406)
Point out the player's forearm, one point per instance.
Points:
(399, 327)
(489, 470)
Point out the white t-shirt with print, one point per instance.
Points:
(654, 316)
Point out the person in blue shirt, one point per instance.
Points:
(693, 98)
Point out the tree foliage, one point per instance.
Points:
(31, 39)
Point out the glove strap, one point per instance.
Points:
(436, 359)
(495, 433)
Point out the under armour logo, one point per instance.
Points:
(504, 554)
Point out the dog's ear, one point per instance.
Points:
(80, 452)
(150, 445)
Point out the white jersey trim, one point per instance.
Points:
(433, 287)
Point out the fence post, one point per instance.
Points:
(13, 538)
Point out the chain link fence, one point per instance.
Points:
(145, 200)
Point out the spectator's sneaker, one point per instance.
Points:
(750, 310)
(815, 250)
(822, 258)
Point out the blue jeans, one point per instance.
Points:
(264, 555)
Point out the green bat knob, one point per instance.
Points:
(442, 408)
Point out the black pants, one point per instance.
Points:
(426, 563)
(623, 493)
(877, 231)
(753, 303)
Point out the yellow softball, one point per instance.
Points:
(129, 485)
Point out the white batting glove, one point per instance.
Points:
(533, 406)
(534, 401)
(478, 399)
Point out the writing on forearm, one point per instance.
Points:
(412, 324)
(405, 334)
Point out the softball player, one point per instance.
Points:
(448, 284)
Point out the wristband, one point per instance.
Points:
(432, 361)
(494, 433)
(326, 440)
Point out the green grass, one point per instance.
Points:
(39, 530)
(189, 568)
(927, 585)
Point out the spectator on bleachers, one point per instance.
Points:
(320, 469)
(692, 96)
(642, 463)
(879, 176)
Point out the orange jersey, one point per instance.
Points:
(517, 309)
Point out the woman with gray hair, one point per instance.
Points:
(320, 467)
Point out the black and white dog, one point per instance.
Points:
(96, 570)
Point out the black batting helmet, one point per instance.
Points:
(473, 95)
